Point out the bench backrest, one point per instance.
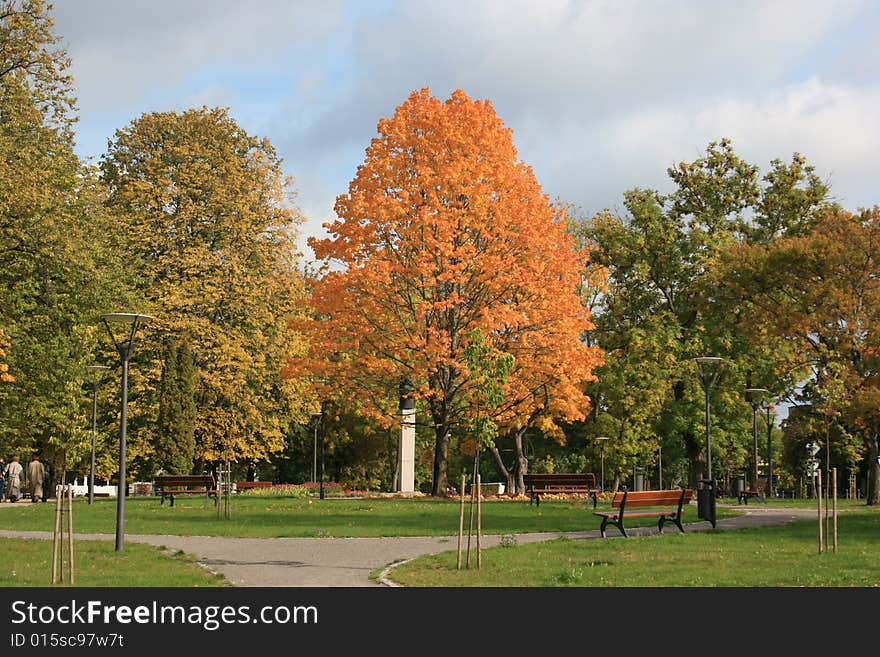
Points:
(542, 480)
(651, 497)
(184, 480)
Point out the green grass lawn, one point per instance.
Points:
(784, 556)
(285, 516)
(28, 562)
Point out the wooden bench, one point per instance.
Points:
(649, 498)
(171, 485)
(578, 483)
(247, 485)
(759, 491)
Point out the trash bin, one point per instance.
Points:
(639, 481)
(706, 501)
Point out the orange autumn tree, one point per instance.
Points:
(445, 235)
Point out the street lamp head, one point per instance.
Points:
(126, 318)
(130, 322)
(707, 367)
(96, 372)
(755, 396)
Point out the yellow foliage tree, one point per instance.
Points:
(212, 228)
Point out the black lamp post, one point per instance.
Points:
(323, 422)
(96, 372)
(660, 465)
(708, 371)
(316, 418)
(769, 450)
(125, 345)
(755, 396)
(601, 440)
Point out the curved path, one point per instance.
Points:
(348, 562)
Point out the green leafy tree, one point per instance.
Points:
(58, 265)
(818, 291)
(175, 428)
(661, 307)
(211, 223)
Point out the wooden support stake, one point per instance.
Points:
(55, 535)
(819, 498)
(834, 489)
(70, 532)
(827, 492)
(460, 521)
(479, 524)
(467, 561)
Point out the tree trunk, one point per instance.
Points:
(441, 457)
(697, 468)
(872, 492)
(522, 463)
(508, 476)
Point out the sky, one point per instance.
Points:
(602, 96)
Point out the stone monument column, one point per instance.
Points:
(407, 446)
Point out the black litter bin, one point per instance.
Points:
(706, 501)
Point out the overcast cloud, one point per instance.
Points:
(601, 96)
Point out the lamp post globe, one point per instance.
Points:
(123, 337)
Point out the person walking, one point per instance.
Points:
(36, 474)
(2, 479)
(13, 479)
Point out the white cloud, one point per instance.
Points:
(602, 96)
(123, 52)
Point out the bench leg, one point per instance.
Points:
(537, 500)
(616, 523)
(171, 497)
(675, 519)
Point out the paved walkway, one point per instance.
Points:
(348, 562)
